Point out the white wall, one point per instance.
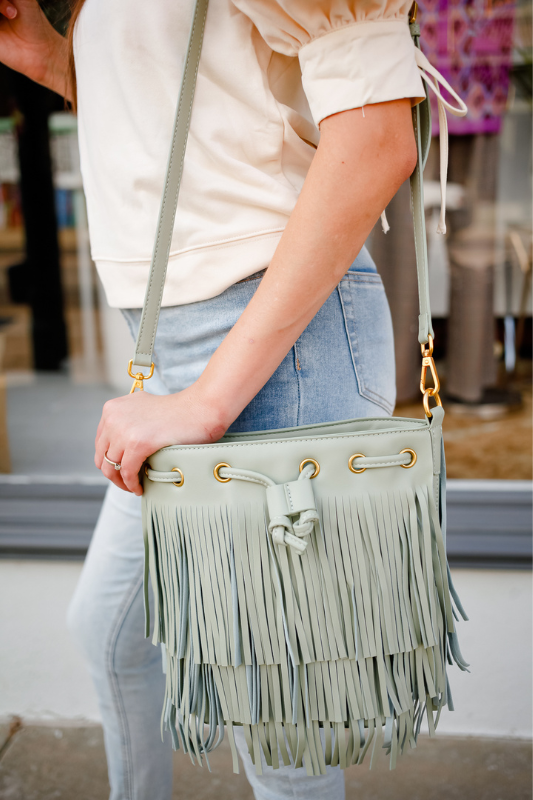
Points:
(495, 697)
(42, 676)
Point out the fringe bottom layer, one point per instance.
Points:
(351, 637)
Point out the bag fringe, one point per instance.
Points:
(352, 637)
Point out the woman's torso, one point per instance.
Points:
(252, 134)
(247, 154)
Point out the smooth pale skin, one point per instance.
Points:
(361, 161)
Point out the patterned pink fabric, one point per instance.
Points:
(470, 42)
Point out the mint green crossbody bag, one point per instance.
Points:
(300, 575)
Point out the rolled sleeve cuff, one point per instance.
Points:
(353, 66)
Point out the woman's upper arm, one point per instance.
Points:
(351, 53)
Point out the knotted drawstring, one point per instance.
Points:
(284, 500)
(426, 69)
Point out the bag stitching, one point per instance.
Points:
(190, 448)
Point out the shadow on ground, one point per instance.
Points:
(44, 762)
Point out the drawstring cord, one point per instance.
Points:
(426, 69)
(292, 507)
(432, 77)
(284, 501)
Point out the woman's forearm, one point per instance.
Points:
(360, 163)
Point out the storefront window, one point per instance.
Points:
(63, 351)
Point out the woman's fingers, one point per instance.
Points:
(132, 462)
(8, 9)
(99, 449)
(129, 456)
(107, 435)
(107, 469)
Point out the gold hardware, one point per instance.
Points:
(413, 11)
(429, 363)
(427, 394)
(217, 474)
(414, 458)
(138, 377)
(352, 459)
(429, 351)
(314, 463)
(178, 483)
(146, 468)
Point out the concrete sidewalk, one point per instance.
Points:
(68, 763)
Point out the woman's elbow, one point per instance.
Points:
(400, 146)
(406, 156)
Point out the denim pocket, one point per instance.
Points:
(369, 330)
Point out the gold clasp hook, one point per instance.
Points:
(413, 11)
(138, 377)
(429, 363)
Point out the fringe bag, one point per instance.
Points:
(300, 575)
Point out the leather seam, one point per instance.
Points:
(314, 439)
(367, 419)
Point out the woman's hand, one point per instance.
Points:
(135, 426)
(29, 44)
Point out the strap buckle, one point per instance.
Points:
(138, 377)
(429, 363)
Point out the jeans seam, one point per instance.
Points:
(360, 383)
(364, 391)
(380, 400)
(296, 362)
(114, 683)
(376, 281)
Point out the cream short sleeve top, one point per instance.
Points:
(270, 71)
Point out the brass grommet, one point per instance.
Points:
(178, 483)
(146, 468)
(352, 459)
(216, 472)
(314, 463)
(414, 458)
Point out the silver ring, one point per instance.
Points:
(113, 463)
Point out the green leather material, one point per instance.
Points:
(269, 627)
(422, 129)
(424, 107)
(425, 326)
(286, 603)
(165, 227)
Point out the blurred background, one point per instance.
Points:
(64, 352)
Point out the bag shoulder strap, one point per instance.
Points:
(422, 128)
(165, 227)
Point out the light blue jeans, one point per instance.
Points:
(342, 366)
